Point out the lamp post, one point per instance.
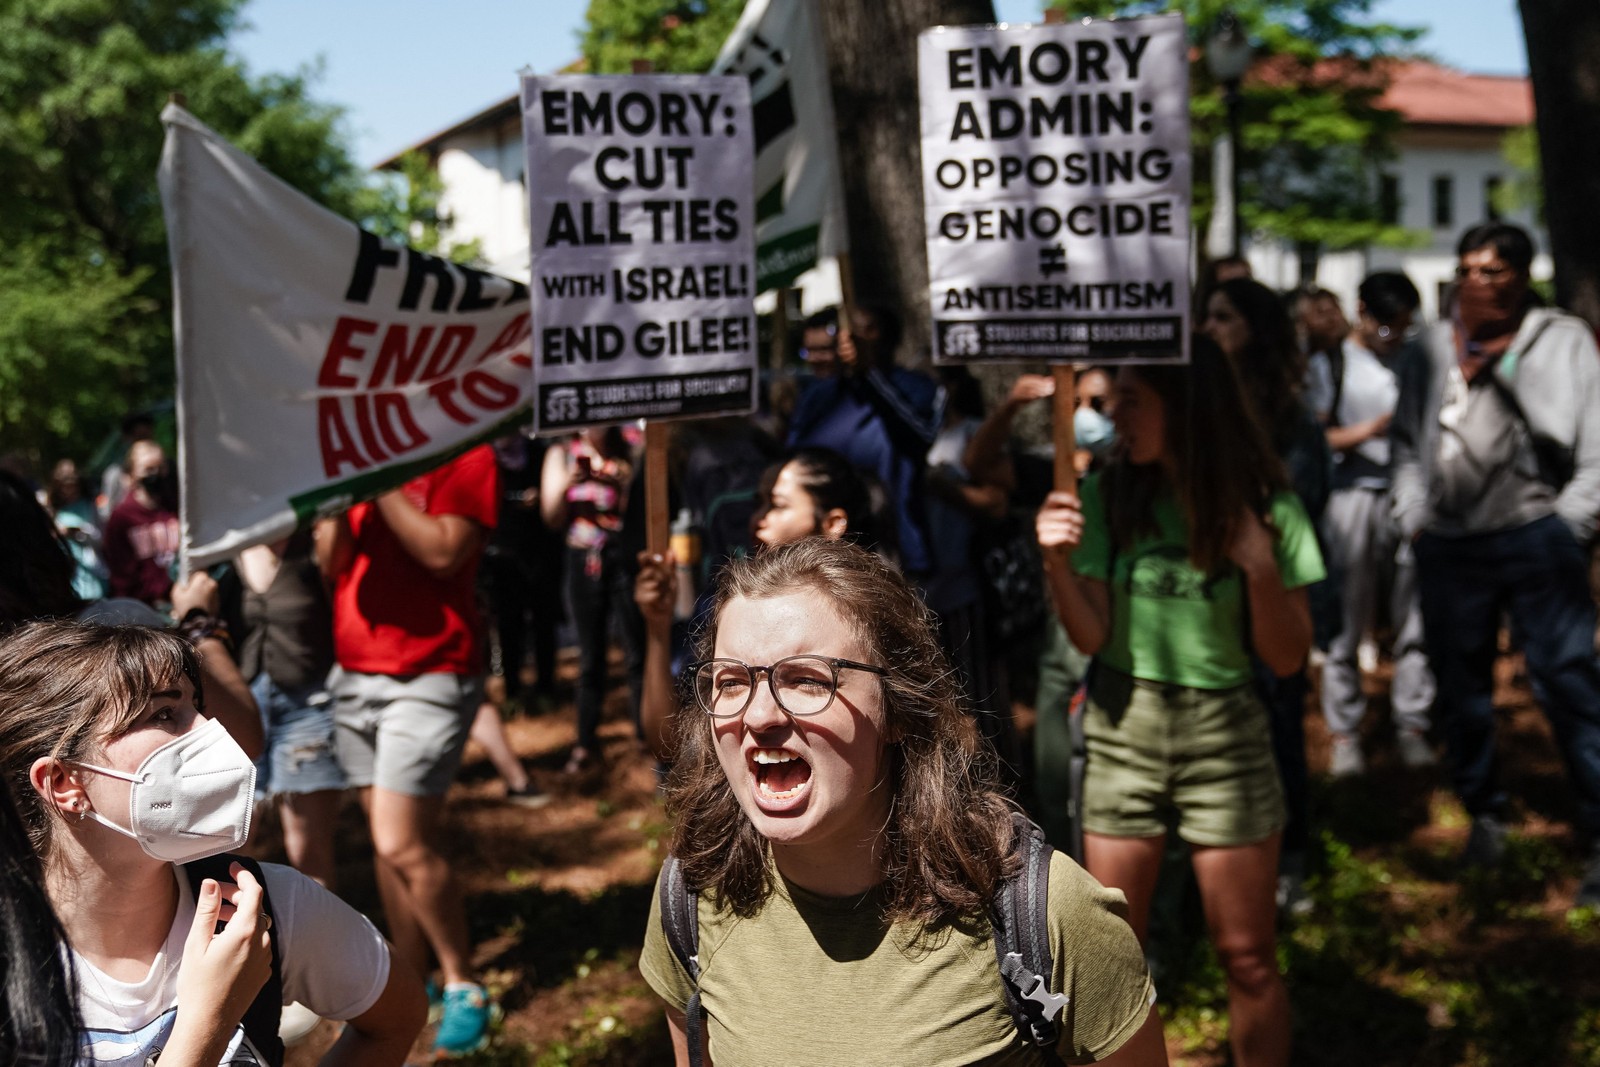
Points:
(1228, 54)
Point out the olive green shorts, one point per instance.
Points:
(1164, 756)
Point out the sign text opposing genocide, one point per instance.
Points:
(1056, 185)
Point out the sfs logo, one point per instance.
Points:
(962, 339)
(561, 405)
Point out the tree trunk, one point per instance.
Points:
(872, 55)
(1563, 39)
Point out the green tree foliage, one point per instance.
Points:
(674, 35)
(1312, 132)
(85, 287)
(404, 206)
(1525, 190)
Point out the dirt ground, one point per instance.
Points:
(1400, 961)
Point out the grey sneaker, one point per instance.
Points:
(1346, 761)
(1486, 844)
(1415, 752)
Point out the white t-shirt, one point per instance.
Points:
(333, 961)
(1370, 390)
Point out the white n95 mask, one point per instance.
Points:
(191, 798)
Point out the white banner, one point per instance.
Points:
(799, 204)
(643, 234)
(317, 365)
(1056, 180)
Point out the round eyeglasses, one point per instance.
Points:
(802, 685)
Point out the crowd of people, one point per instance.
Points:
(827, 686)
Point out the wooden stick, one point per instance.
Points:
(657, 437)
(1066, 438)
(847, 289)
(658, 521)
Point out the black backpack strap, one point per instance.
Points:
(262, 1017)
(680, 921)
(1022, 942)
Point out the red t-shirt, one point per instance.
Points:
(390, 616)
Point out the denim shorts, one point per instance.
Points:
(404, 733)
(300, 756)
(1167, 755)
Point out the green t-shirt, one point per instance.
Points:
(1170, 622)
(823, 980)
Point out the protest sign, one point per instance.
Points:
(317, 364)
(777, 44)
(1056, 182)
(642, 223)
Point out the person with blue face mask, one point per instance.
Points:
(123, 784)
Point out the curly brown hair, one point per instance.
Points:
(948, 842)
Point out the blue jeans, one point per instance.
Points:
(1539, 574)
(300, 756)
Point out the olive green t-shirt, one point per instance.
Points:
(1169, 621)
(825, 981)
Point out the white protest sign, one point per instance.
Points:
(642, 225)
(317, 365)
(799, 206)
(1056, 181)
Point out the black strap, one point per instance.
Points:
(1022, 942)
(680, 921)
(262, 1017)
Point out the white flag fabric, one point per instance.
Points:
(317, 365)
(778, 45)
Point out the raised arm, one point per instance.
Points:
(441, 543)
(227, 691)
(1084, 604)
(654, 591)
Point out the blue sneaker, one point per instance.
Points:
(464, 1026)
(435, 999)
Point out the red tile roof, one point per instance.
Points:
(1424, 93)
(1431, 95)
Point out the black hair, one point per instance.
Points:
(963, 390)
(36, 568)
(826, 319)
(1272, 367)
(1510, 243)
(39, 1023)
(1388, 294)
(887, 321)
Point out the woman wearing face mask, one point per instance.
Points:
(121, 783)
(837, 820)
(1174, 565)
(813, 493)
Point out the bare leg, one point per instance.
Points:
(489, 734)
(308, 823)
(1131, 864)
(1236, 886)
(419, 892)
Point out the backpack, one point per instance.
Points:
(1019, 914)
(261, 1018)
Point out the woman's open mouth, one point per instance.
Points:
(781, 777)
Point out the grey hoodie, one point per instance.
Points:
(1552, 369)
